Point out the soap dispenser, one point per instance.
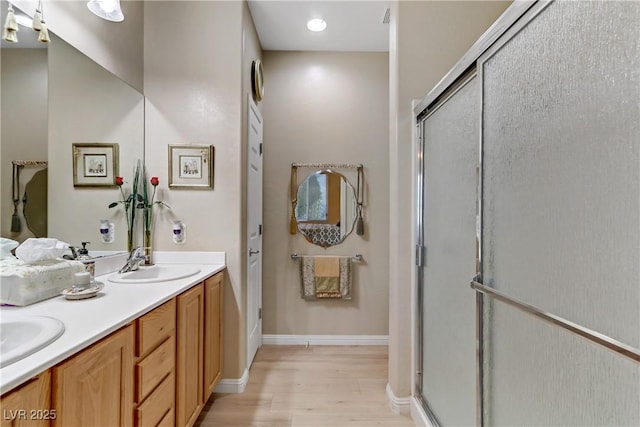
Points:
(87, 260)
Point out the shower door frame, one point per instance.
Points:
(467, 68)
(515, 19)
(420, 255)
(482, 331)
(617, 347)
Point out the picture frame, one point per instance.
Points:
(95, 164)
(191, 166)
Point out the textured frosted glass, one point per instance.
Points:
(561, 231)
(544, 376)
(451, 155)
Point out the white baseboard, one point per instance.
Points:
(233, 385)
(418, 415)
(325, 339)
(399, 405)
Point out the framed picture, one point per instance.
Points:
(95, 164)
(191, 166)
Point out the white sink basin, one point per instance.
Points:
(22, 335)
(155, 273)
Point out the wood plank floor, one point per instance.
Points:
(319, 386)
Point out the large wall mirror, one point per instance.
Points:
(326, 208)
(54, 96)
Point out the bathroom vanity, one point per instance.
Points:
(138, 354)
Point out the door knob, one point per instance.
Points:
(252, 252)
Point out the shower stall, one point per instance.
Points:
(528, 230)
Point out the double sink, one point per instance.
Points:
(22, 335)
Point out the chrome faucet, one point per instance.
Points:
(136, 257)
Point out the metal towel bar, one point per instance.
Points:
(593, 336)
(356, 257)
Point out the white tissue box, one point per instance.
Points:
(23, 284)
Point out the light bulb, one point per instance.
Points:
(106, 9)
(316, 24)
(108, 6)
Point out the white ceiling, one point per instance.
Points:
(352, 26)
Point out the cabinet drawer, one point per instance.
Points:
(155, 327)
(154, 409)
(153, 368)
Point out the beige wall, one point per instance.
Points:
(24, 130)
(196, 95)
(88, 104)
(115, 46)
(251, 50)
(429, 37)
(325, 107)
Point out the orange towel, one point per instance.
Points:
(327, 266)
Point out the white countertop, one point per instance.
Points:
(87, 321)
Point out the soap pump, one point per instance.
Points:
(87, 260)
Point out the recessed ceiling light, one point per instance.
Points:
(316, 24)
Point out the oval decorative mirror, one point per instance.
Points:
(326, 208)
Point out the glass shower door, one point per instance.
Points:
(449, 138)
(561, 215)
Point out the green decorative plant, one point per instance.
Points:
(128, 201)
(147, 203)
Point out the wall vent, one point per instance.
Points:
(387, 16)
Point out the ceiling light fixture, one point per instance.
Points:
(316, 24)
(106, 9)
(38, 24)
(13, 19)
(43, 37)
(10, 26)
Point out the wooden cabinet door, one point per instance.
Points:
(95, 387)
(213, 304)
(189, 385)
(29, 405)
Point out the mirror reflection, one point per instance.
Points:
(34, 204)
(54, 96)
(326, 208)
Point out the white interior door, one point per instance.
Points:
(254, 232)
